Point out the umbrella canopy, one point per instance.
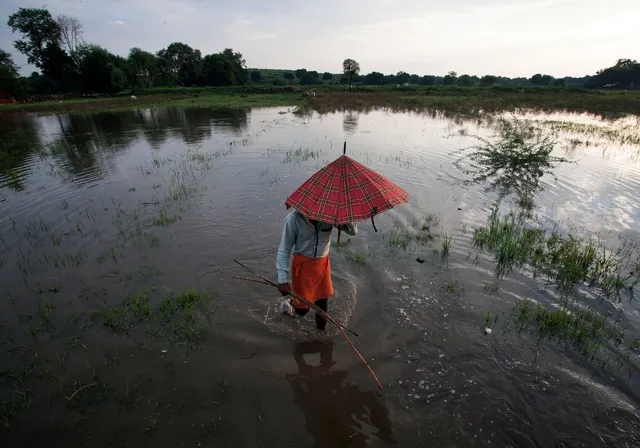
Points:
(345, 191)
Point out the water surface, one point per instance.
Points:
(103, 205)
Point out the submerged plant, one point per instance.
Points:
(513, 162)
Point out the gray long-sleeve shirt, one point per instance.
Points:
(300, 236)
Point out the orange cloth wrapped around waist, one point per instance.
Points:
(311, 279)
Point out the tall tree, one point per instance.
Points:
(181, 64)
(224, 69)
(7, 61)
(9, 79)
(140, 67)
(326, 76)
(350, 68)
(38, 30)
(101, 70)
(60, 68)
(414, 79)
(71, 32)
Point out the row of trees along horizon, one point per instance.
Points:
(70, 65)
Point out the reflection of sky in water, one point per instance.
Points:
(599, 192)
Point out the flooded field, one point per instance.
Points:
(497, 307)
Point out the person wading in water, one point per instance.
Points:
(308, 274)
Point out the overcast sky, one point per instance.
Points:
(502, 37)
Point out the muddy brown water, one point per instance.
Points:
(101, 206)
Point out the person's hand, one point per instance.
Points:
(284, 288)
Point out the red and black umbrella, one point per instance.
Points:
(346, 191)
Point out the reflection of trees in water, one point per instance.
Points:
(19, 140)
(87, 141)
(336, 414)
(350, 122)
(513, 162)
(192, 126)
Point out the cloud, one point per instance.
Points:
(263, 36)
(501, 37)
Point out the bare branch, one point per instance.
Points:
(71, 32)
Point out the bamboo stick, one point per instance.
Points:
(342, 328)
(310, 304)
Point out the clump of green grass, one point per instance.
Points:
(583, 329)
(300, 155)
(164, 219)
(456, 288)
(182, 315)
(358, 257)
(566, 260)
(419, 234)
(446, 245)
(132, 310)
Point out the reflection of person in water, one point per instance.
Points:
(336, 414)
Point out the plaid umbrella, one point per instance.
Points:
(345, 191)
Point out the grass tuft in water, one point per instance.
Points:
(456, 288)
(446, 245)
(566, 260)
(164, 219)
(132, 310)
(300, 155)
(581, 328)
(419, 234)
(358, 257)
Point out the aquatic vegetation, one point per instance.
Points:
(456, 288)
(446, 245)
(419, 234)
(513, 161)
(300, 155)
(130, 396)
(164, 219)
(564, 259)
(358, 257)
(581, 328)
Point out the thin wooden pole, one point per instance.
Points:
(342, 328)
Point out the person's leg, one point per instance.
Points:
(321, 321)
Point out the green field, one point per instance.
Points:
(455, 99)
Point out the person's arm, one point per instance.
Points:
(284, 251)
(350, 228)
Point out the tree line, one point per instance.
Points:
(68, 64)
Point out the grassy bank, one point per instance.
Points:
(179, 99)
(458, 100)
